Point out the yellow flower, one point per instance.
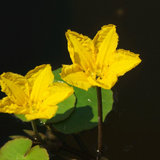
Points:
(34, 95)
(97, 62)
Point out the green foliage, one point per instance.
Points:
(19, 149)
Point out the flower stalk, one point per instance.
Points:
(99, 98)
(37, 136)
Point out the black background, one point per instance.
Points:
(33, 33)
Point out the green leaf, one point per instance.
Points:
(85, 115)
(22, 117)
(19, 149)
(17, 136)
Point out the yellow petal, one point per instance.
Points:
(68, 69)
(105, 42)
(8, 106)
(16, 87)
(122, 61)
(80, 48)
(46, 113)
(73, 75)
(40, 78)
(56, 93)
(106, 82)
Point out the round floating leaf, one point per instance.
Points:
(85, 115)
(19, 149)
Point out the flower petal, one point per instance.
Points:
(8, 106)
(73, 75)
(40, 78)
(105, 42)
(80, 48)
(122, 61)
(106, 82)
(57, 93)
(53, 95)
(46, 113)
(16, 87)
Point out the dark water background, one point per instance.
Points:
(32, 33)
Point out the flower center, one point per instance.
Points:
(34, 106)
(96, 74)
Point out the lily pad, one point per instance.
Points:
(85, 115)
(19, 149)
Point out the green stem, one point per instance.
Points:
(99, 98)
(38, 137)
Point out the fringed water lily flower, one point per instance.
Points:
(34, 95)
(97, 62)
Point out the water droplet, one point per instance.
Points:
(60, 81)
(42, 122)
